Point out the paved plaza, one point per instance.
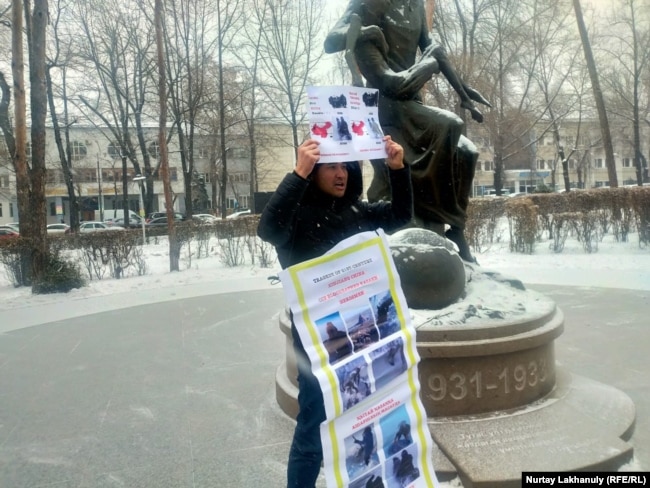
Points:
(181, 393)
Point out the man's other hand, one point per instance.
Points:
(395, 154)
(308, 156)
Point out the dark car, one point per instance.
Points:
(133, 223)
(158, 222)
(157, 215)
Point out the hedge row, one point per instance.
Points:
(588, 214)
(78, 258)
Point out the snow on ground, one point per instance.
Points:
(614, 265)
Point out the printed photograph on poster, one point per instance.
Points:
(402, 469)
(354, 382)
(383, 307)
(344, 120)
(373, 479)
(361, 452)
(334, 336)
(388, 362)
(396, 431)
(361, 326)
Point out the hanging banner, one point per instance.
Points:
(354, 323)
(344, 119)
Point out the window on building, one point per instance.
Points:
(28, 151)
(203, 152)
(11, 209)
(154, 149)
(598, 163)
(239, 177)
(627, 162)
(52, 208)
(54, 176)
(600, 184)
(78, 150)
(0, 209)
(113, 150)
(240, 152)
(541, 164)
(4, 181)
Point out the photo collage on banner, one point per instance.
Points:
(344, 119)
(354, 323)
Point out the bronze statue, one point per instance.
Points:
(385, 36)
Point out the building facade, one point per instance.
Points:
(98, 170)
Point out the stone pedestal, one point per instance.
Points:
(496, 403)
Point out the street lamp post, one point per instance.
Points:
(140, 180)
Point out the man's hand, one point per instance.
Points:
(308, 156)
(395, 154)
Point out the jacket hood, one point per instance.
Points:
(353, 189)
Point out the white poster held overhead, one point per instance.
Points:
(345, 120)
(354, 323)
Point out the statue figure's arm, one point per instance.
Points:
(401, 85)
(338, 39)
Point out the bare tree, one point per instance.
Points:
(191, 48)
(174, 243)
(598, 96)
(60, 60)
(23, 180)
(229, 15)
(290, 51)
(117, 56)
(30, 178)
(628, 64)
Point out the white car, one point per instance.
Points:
(236, 215)
(57, 228)
(97, 227)
(205, 218)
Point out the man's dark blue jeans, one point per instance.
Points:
(306, 451)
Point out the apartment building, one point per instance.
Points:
(98, 168)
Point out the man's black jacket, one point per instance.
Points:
(302, 222)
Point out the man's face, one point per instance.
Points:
(332, 178)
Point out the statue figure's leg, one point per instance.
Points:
(441, 170)
(466, 160)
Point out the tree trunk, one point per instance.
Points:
(174, 245)
(64, 157)
(598, 96)
(38, 91)
(20, 116)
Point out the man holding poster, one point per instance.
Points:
(314, 208)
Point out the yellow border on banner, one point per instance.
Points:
(411, 376)
(324, 357)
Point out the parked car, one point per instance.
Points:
(7, 233)
(239, 213)
(13, 225)
(157, 215)
(158, 222)
(134, 223)
(91, 226)
(205, 218)
(57, 228)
